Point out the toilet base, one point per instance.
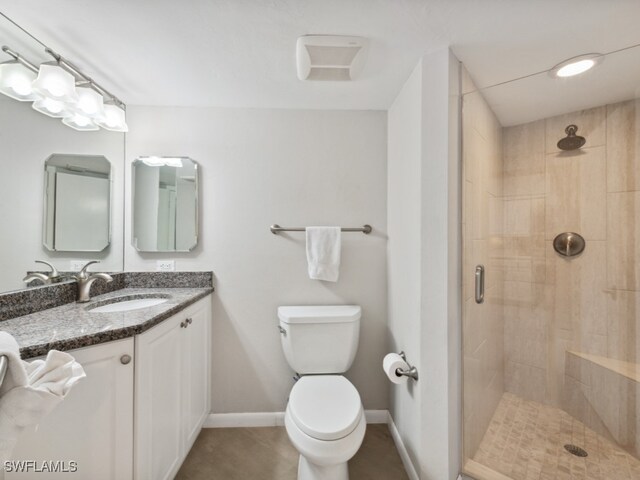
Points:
(309, 471)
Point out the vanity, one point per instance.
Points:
(147, 390)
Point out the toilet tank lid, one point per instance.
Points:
(320, 314)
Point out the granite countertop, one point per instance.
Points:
(73, 326)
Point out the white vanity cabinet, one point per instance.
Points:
(93, 426)
(172, 390)
(135, 415)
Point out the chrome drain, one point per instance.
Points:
(575, 450)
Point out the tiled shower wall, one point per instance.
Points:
(482, 232)
(589, 303)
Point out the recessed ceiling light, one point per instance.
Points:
(576, 65)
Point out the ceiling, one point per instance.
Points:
(241, 53)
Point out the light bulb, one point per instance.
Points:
(114, 119)
(56, 83)
(16, 80)
(52, 108)
(90, 102)
(80, 122)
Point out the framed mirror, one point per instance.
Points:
(77, 203)
(165, 204)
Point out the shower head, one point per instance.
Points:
(571, 141)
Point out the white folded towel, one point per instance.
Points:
(31, 390)
(323, 253)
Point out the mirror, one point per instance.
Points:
(165, 204)
(77, 203)
(27, 139)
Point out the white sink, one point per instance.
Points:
(128, 305)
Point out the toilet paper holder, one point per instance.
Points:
(412, 372)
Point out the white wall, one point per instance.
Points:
(27, 139)
(291, 167)
(424, 262)
(403, 251)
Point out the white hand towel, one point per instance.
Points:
(31, 390)
(323, 253)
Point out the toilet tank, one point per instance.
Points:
(320, 339)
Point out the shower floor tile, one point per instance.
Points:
(525, 441)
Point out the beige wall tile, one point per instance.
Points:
(525, 381)
(623, 146)
(576, 194)
(523, 150)
(591, 125)
(623, 325)
(579, 295)
(623, 240)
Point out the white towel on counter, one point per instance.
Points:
(323, 253)
(31, 390)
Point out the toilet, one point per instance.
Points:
(324, 418)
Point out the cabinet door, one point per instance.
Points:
(93, 426)
(196, 370)
(159, 441)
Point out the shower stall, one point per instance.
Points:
(551, 275)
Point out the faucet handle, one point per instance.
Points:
(83, 271)
(54, 271)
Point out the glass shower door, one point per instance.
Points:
(551, 356)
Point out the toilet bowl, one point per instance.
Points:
(324, 417)
(325, 422)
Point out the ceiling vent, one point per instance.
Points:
(330, 57)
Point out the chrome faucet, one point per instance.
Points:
(86, 279)
(45, 278)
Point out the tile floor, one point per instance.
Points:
(266, 454)
(525, 441)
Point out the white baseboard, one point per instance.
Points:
(272, 419)
(256, 419)
(404, 455)
(377, 416)
(276, 419)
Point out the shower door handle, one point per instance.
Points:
(479, 283)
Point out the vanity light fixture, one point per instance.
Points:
(576, 65)
(16, 80)
(59, 89)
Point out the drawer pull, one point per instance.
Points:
(125, 359)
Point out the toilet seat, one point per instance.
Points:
(325, 407)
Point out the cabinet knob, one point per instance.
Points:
(125, 359)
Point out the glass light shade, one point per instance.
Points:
(56, 83)
(52, 108)
(16, 80)
(90, 103)
(162, 161)
(114, 119)
(80, 122)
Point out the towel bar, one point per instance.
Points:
(275, 229)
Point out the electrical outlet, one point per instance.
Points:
(76, 265)
(165, 265)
